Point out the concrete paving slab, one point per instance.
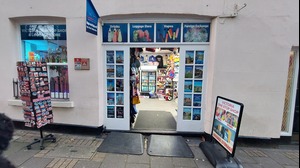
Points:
(87, 164)
(279, 157)
(161, 162)
(267, 162)
(139, 159)
(72, 152)
(14, 147)
(114, 160)
(184, 162)
(36, 163)
(137, 166)
(21, 156)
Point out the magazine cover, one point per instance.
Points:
(119, 84)
(120, 112)
(197, 100)
(196, 114)
(120, 99)
(198, 86)
(110, 85)
(188, 72)
(110, 57)
(199, 57)
(120, 57)
(188, 85)
(187, 100)
(189, 57)
(198, 72)
(110, 98)
(110, 112)
(110, 71)
(187, 114)
(119, 71)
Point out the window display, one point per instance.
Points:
(48, 43)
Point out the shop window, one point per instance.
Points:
(48, 43)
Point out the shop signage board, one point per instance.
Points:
(142, 32)
(196, 32)
(43, 32)
(115, 32)
(91, 18)
(168, 32)
(226, 123)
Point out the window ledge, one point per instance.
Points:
(61, 104)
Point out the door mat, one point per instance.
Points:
(169, 146)
(122, 143)
(155, 120)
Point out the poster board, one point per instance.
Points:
(226, 123)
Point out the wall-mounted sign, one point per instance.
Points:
(196, 32)
(226, 123)
(142, 32)
(43, 32)
(115, 32)
(81, 63)
(91, 18)
(168, 32)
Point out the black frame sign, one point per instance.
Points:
(226, 123)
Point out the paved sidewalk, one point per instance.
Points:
(79, 151)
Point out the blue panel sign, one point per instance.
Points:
(43, 32)
(142, 32)
(168, 32)
(196, 32)
(91, 18)
(115, 33)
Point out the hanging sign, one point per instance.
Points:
(142, 32)
(196, 32)
(168, 32)
(115, 32)
(91, 18)
(226, 123)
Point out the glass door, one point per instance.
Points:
(116, 80)
(191, 88)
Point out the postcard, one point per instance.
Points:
(110, 57)
(119, 71)
(198, 86)
(199, 57)
(120, 99)
(197, 100)
(120, 57)
(198, 72)
(110, 98)
(188, 72)
(188, 85)
(110, 112)
(119, 84)
(110, 85)
(187, 114)
(110, 71)
(120, 112)
(197, 114)
(187, 100)
(189, 57)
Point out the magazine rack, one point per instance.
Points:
(36, 100)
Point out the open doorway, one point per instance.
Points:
(154, 74)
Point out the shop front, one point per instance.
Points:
(161, 62)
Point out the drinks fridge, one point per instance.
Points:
(148, 79)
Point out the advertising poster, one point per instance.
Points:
(168, 32)
(196, 32)
(226, 123)
(142, 32)
(43, 32)
(115, 33)
(110, 112)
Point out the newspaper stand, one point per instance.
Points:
(220, 150)
(36, 100)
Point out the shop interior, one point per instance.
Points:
(154, 74)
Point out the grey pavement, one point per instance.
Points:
(80, 151)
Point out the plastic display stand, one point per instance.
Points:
(217, 156)
(42, 139)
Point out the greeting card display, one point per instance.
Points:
(35, 96)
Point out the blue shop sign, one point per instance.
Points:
(91, 18)
(43, 32)
(115, 32)
(168, 32)
(196, 32)
(142, 32)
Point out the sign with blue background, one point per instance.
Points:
(115, 32)
(196, 32)
(43, 32)
(168, 32)
(91, 18)
(142, 32)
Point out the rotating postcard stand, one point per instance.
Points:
(36, 100)
(226, 123)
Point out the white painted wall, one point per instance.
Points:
(248, 59)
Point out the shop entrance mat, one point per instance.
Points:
(123, 143)
(155, 120)
(169, 146)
